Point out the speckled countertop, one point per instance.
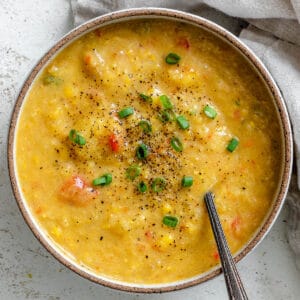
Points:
(27, 271)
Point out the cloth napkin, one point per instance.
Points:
(271, 28)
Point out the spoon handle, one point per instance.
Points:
(234, 284)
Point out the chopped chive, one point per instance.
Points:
(106, 179)
(165, 101)
(50, 79)
(126, 112)
(232, 144)
(170, 221)
(142, 151)
(172, 58)
(187, 181)
(133, 171)
(166, 115)
(142, 187)
(145, 98)
(183, 122)
(76, 138)
(176, 144)
(80, 140)
(158, 184)
(146, 126)
(210, 112)
(99, 181)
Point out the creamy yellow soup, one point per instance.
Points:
(124, 132)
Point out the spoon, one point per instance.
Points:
(234, 284)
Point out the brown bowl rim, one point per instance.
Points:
(220, 32)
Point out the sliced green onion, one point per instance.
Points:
(158, 184)
(165, 101)
(50, 79)
(172, 59)
(126, 112)
(76, 138)
(210, 112)
(133, 171)
(232, 144)
(99, 181)
(142, 187)
(145, 98)
(146, 126)
(166, 115)
(170, 221)
(176, 144)
(105, 179)
(142, 151)
(187, 181)
(183, 122)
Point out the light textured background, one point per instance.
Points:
(27, 29)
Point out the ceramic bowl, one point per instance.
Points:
(133, 14)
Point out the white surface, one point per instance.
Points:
(28, 28)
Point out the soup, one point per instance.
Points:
(124, 132)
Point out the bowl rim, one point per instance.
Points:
(176, 15)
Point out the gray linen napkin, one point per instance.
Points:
(273, 34)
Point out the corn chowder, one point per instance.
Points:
(124, 132)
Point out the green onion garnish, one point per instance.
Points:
(145, 98)
(146, 126)
(166, 115)
(170, 221)
(158, 184)
(232, 144)
(133, 171)
(238, 102)
(187, 181)
(50, 79)
(183, 122)
(142, 187)
(76, 138)
(172, 59)
(106, 179)
(176, 144)
(165, 101)
(126, 112)
(210, 112)
(142, 151)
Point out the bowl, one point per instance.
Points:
(154, 13)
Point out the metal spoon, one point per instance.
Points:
(234, 284)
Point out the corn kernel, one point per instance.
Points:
(56, 231)
(165, 241)
(150, 56)
(53, 70)
(126, 80)
(56, 114)
(192, 228)
(35, 159)
(188, 79)
(167, 208)
(69, 91)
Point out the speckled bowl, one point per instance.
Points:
(223, 34)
